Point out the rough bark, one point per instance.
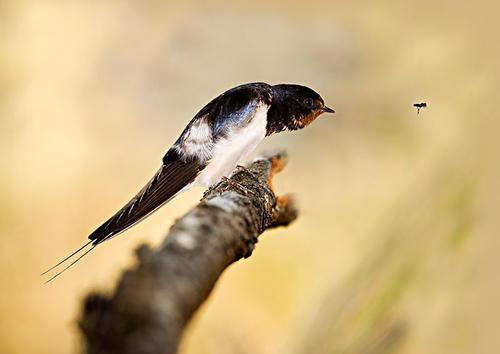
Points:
(153, 302)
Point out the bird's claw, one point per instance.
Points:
(238, 186)
(247, 171)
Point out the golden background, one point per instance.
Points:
(396, 249)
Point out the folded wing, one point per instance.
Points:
(170, 179)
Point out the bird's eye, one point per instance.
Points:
(308, 102)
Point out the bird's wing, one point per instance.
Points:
(175, 174)
(170, 179)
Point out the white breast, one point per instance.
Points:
(228, 152)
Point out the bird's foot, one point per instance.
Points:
(247, 171)
(238, 186)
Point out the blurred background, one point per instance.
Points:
(396, 248)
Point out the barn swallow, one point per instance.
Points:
(219, 136)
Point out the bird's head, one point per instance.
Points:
(296, 106)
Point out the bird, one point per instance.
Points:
(223, 133)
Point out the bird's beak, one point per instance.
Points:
(328, 110)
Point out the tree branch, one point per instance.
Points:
(153, 302)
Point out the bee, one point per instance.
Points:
(419, 106)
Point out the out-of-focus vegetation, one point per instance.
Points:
(396, 249)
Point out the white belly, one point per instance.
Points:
(227, 153)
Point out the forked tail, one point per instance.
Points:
(67, 259)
